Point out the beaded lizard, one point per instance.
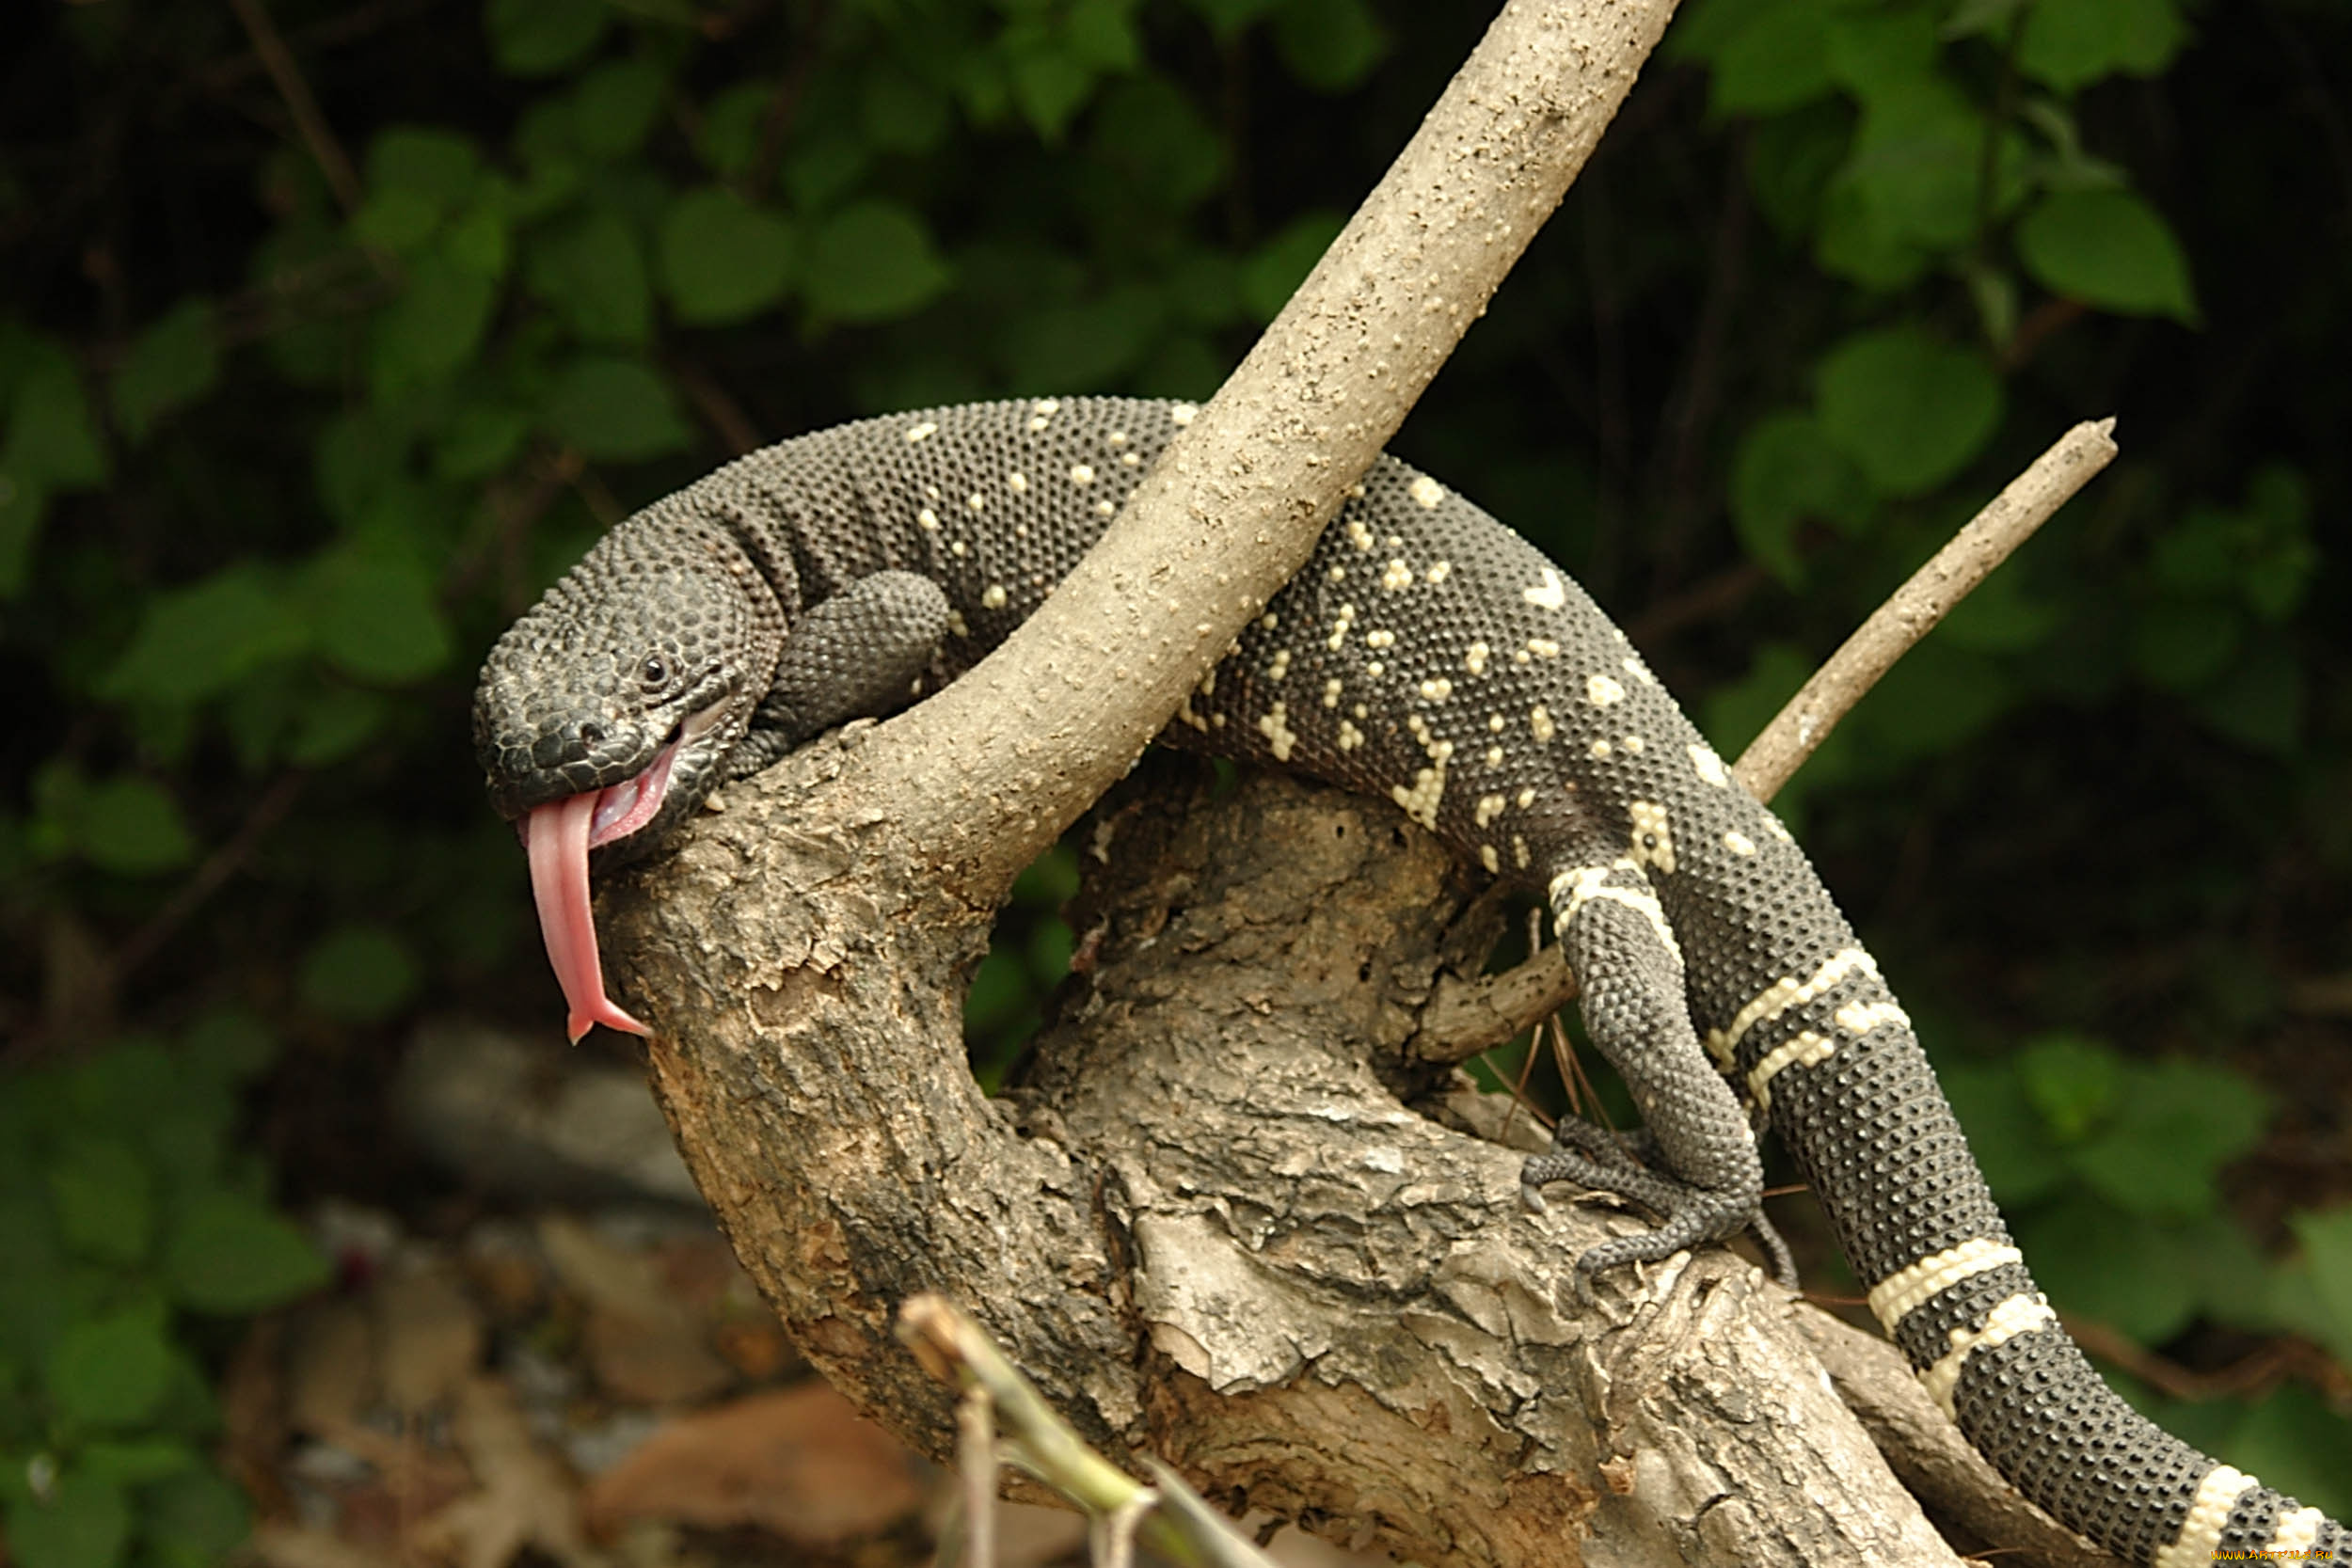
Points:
(1427, 655)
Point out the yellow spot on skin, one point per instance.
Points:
(1784, 993)
(1571, 890)
(1338, 574)
(1427, 491)
(1640, 672)
(976, 501)
(1908, 1288)
(1379, 640)
(1279, 665)
(1494, 722)
(1420, 801)
(1523, 656)
(1280, 734)
(957, 625)
(1184, 712)
(1439, 571)
(2021, 1314)
(1860, 1018)
(1340, 625)
(1494, 756)
(929, 519)
(1489, 807)
(1518, 852)
(1108, 509)
(1208, 682)
(1017, 482)
(1130, 460)
(1357, 534)
(1375, 667)
(1436, 691)
(1806, 1050)
(1600, 691)
(1780, 831)
(1115, 440)
(1599, 750)
(1357, 710)
(1350, 736)
(1710, 767)
(1539, 723)
(1527, 797)
(1550, 594)
(1183, 413)
(1397, 578)
(994, 598)
(1081, 473)
(1395, 543)
(1739, 844)
(1331, 692)
(954, 547)
(1487, 857)
(1653, 843)
(1543, 647)
(922, 432)
(1271, 621)
(1475, 661)
(1632, 744)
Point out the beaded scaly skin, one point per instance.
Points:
(1425, 654)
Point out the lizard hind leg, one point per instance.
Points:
(1629, 967)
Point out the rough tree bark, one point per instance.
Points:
(1230, 1216)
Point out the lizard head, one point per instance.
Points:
(609, 710)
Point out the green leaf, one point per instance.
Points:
(173, 363)
(52, 435)
(2326, 1240)
(2070, 43)
(592, 272)
(1329, 45)
(358, 974)
(101, 1195)
(1085, 344)
(1786, 472)
(2161, 1150)
(1910, 409)
(722, 258)
(437, 165)
(196, 641)
(615, 105)
(110, 1370)
(432, 328)
(1271, 277)
(615, 409)
(1775, 58)
(131, 826)
(194, 1519)
(376, 620)
(898, 113)
(2118, 1268)
(84, 1522)
(729, 138)
(228, 1044)
(227, 1253)
(873, 262)
(539, 37)
(138, 1461)
(2071, 1081)
(2004, 1132)
(1155, 141)
(2107, 248)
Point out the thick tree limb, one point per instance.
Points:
(1215, 1224)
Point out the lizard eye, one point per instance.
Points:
(655, 671)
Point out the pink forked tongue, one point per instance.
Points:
(556, 835)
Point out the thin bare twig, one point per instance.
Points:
(1119, 1509)
(1912, 610)
(342, 177)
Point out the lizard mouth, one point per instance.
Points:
(558, 837)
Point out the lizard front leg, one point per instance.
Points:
(862, 654)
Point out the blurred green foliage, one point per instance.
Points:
(297, 412)
(129, 1218)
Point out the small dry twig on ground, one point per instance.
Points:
(1005, 1419)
